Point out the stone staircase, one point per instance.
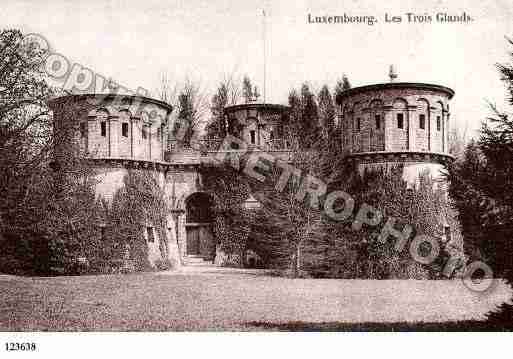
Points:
(197, 261)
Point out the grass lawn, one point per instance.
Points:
(238, 301)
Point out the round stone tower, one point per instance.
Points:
(115, 132)
(257, 124)
(113, 126)
(397, 122)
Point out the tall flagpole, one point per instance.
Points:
(265, 51)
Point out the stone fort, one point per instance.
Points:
(381, 124)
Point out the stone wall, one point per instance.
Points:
(110, 178)
(178, 183)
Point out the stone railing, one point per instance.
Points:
(213, 145)
(205, 151)
(276, 144)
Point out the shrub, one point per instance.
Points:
(163, 264)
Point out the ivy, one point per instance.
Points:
(230, 190)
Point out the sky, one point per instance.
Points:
(135, 41)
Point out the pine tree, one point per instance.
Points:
(247, 89)
(304, 128)
(185, 113)
(482, 186)
(326, 111)
(342, 85)
(192, 109)
(217, 126)
(346, 85)
(228, 93)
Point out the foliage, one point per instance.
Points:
(86, 234)
(283, 224)
(290, 233)
(25, 142)
(479, 188)
(342, 85)
(326, 111)
(288, 227)
(423, 207)
(137, 205)
(163, 264)
(192, 107)
(231, 218)
(249, 92)
(482, 186)
(228, 93)
(23, 240)
(304, 121)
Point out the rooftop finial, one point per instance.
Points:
(392, 74)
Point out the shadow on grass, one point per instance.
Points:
(502, 320)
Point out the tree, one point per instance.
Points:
(190, 106)
(466, 176)
(482, 186)
(326, 111)
(70, 224)
(230, 189)
(249, 92)
(25, 145)
(342, 85)
(457, 141)
(228, 93)
(167, 90)
(25, 127)
(284, 227)
(361, 252)
(284, 223)
(304, 127)
(192, 112)
(288, 226)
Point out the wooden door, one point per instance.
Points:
(193, 240)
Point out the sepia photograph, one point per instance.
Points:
(265, 170)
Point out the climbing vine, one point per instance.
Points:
(138, 204)
(231, 219)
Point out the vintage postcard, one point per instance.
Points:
(254, 166)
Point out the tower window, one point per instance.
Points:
(422, 121)
(151, 236)
(271, 135)
(103, 234)
(124, 129)
(103, 128)
(252, 136)
(400, 120)
(378, 121)
(144, 134)
(438, 123)
(358, 124)
(83, 129)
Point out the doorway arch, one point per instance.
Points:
(199, 220)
